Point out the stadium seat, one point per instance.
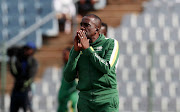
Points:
(175, 34)
(29, 7)
(176, 7)
(150, 34)
(144, 20)
(1, 24)
(45, 7)
(13, 22)
(4, 8)
(13, 9)
(175, 77)
(5, 21)
(47, 90)
(29, 20)
(5, 34)
(129, 20)
(143, 104)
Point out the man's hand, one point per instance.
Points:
(83, 39)
(77, 45)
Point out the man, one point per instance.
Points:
(66, 10)
(104, 29)
(84, 6)
(68, 95)
(94, 58)
(23, 67)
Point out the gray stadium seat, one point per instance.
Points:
(5, 21)
(1, 24)
(128, 104)
(31, 38)
(29, 20)
(175, 75)
(45, 7)
(150, 34)
(13, 22)
(143, 104)
(175, 34)
(135, 34)
(144, 20)
(13, 8)
(137, 89)
(13, 32)
(29, 7)
(129, 20)
(5, 34)
(177, 46)
(176, 7)
(172, 105)
(4, 7)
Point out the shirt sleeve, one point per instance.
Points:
(70, 68)
(109, 61)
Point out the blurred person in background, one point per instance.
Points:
(84, 6)
(104, 29)
(94, 58)
(23, 67)
(65, 11)
(100, 4)
(68, 95)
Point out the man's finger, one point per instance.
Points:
(80, 36)
(79, 45)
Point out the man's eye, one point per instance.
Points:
(85, 24)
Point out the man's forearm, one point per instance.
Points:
(70, 68)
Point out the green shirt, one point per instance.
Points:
(96, 67)
(66, 89)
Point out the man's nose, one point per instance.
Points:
(82, 28)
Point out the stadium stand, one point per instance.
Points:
(157, 25)
(47, 90)
(18, 15)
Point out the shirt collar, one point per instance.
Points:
(101, 37)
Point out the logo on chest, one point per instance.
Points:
(99, 48)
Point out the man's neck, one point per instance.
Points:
(94, 38)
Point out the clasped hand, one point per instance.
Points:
(81, 41)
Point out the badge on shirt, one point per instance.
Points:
(99, 48)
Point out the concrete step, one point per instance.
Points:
(119, 2)
(112, 14)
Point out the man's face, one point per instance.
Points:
(88, 26)
(28, 52)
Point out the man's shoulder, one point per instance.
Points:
(110, 40)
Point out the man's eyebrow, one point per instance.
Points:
(84, 23)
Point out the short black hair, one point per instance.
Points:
(105, 25)
(97, 18)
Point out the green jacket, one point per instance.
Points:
(96, 67)
(66, 89)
